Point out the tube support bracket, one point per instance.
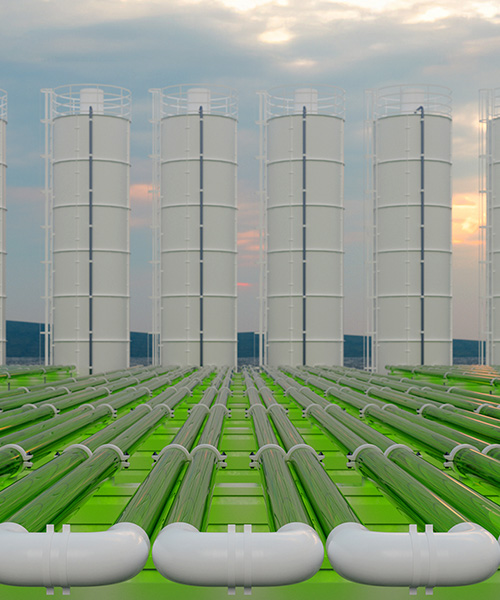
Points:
(27, 464)
(450, 457)
(352, 457)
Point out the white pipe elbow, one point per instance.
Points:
(466, 554)
(233, 559)
(65, 559)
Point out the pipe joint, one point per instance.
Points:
(65, 559)
(234, 559)
(464, 555)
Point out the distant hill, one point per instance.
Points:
(25, 340)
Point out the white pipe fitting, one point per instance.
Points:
(464, 555)
(233, 559)
(64, 559)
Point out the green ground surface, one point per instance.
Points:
(239, 497)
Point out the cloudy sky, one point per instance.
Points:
(248, 45)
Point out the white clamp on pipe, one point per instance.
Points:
(394, 446)
(249, 411)
(219, 456)
(169, 410)
(56, 410)
(255, 458)
(27, 464)
(352, 457)
(29, 406)
(185, 451)
(86, 449)
(65, 559)
(362, 411)
(307, 410)
(234, 559)
(122, 455)
(318, 455)
(464, 555)
(203, 406)
(226, 409)
(480, 407)
(112, 410)
(490, 447)
(450, 457)
(277, 406)
(334, 388)
(420, 410)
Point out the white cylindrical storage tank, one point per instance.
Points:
(90, 128)
(490, 133)
(3, 211)
(304, 216)
(197, 179)
(411, 162)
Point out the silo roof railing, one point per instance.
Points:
(288, 100)
(114, 101)
(406, 99)
(182, 99)
(492, 98)
(3, 105)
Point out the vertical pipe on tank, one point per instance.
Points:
(304, 238)
(3, 211)
(411, 296)
(88, 192)
(303, 132)
(490, 191)
(197, 187)
(201, 235)
(91, 245)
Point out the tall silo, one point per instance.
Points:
(195, 164)
(302, 131)
(3, 211)
(489, 111)
(87, 226)
(409, 136)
